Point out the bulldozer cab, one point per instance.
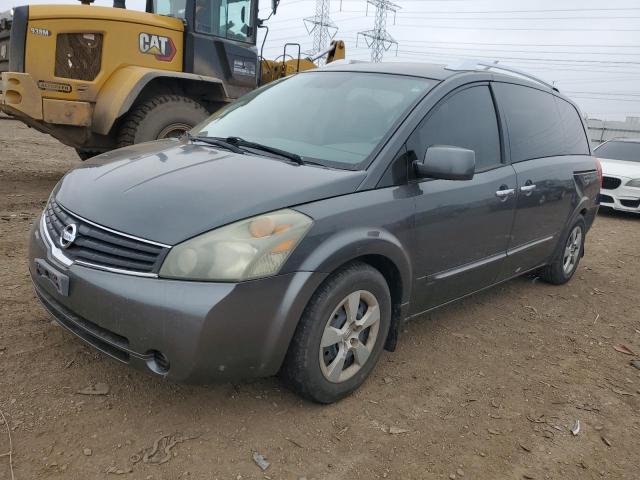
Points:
(219, 38)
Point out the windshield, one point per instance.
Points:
(619, 151)
(333, 118)
(170, 8)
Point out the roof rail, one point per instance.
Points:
(480, 65)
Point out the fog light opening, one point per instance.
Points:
(158, 362)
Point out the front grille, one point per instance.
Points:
(103, 248)
(78, 55)
(610, 183)
(605, 199)
(630, 203)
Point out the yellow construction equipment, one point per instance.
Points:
(99, 78)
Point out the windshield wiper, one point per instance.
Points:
(216, 142)
(241, 142)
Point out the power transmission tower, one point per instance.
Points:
(321, 26)
(378, 39)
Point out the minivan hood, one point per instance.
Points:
(620, 168)
(168, 191)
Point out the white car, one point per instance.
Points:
(620, 159)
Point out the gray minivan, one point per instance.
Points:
(296, 229)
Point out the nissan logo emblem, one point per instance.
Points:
(68, 235)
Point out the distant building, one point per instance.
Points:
(603, 130)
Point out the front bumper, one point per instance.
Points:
(205, 330)
(623, 198)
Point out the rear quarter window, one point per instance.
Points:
(576, 142)
(533, 121)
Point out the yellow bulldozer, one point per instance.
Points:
(99, 78)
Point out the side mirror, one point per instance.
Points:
(274, 6)
(447, 163)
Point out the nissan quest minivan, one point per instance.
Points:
(295, 230)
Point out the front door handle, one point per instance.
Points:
(505, 193)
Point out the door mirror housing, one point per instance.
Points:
(274, 6)
(446, 162)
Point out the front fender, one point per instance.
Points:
(328, 254)
(124, 87)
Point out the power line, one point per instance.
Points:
(527, 44)
(573, 17)
(524, 51)
(531, 29)
(613, 63)
(547, 10)
(615, 94)
(607, 99)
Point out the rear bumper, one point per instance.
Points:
(205, 330)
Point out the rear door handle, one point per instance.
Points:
(528, 188)
(504, 194)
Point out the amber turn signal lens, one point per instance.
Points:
(283, 247)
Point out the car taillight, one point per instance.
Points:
(599, 170)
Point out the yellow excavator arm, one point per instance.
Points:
(275, 69)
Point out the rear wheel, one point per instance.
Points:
(163, 116)
(340, 336)
(566, 260)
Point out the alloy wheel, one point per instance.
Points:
(349, 336)
(572, 250)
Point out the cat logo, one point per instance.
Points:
(160, 47)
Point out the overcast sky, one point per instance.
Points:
(589, 48)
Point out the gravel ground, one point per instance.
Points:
(487, 388)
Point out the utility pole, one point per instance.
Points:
(378, 39)
(321, 26)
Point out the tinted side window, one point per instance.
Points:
(535, 129)
(468, 120)
(576, 142)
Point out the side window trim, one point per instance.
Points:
(503, 159)
(503, 127)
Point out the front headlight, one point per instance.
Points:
(634, 183)
(253, 248)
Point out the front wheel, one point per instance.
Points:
(566, 260)
(340, 336)
(87, 154)
(163, 116)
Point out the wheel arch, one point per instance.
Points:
(379, 249)
(130, 85)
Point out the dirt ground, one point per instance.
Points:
(484, 389)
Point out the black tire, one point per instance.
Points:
(301, 370)
(555, 273)
(162, 116)
(87, 154)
